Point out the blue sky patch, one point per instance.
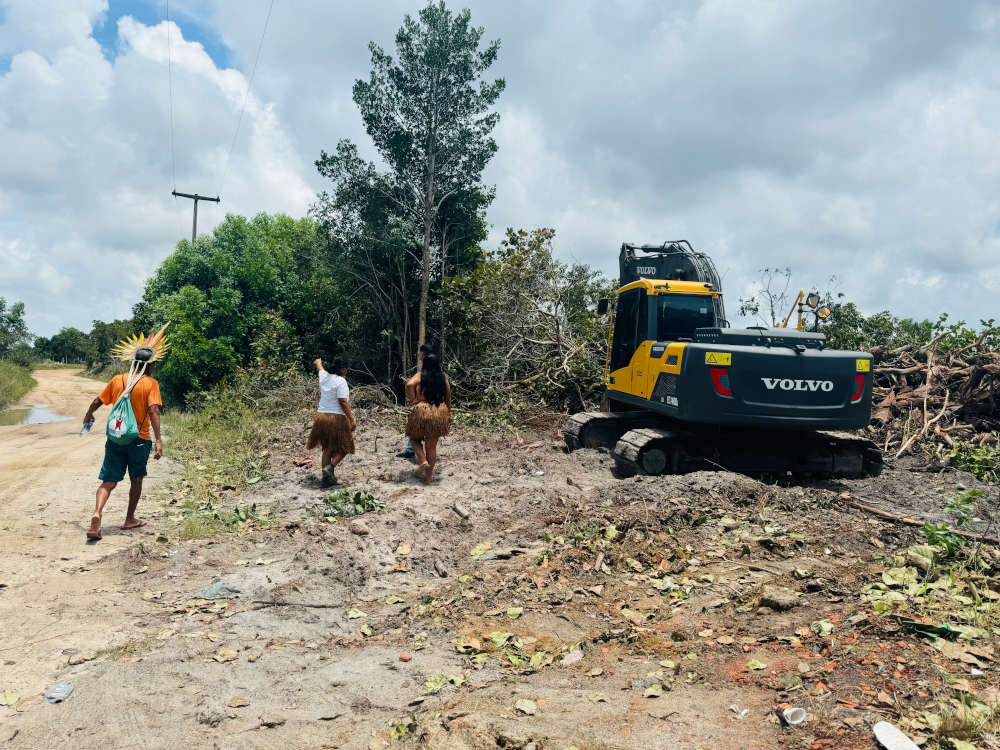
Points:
(150, 13)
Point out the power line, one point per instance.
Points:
(246, 96)
(170, 89)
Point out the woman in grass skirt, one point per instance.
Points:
(430, 417)
(333, 427)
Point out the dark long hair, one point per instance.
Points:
(433, 383)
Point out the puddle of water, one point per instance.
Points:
(35, 414)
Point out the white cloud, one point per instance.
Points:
(24, 265)
(86, 171)
(855, 140)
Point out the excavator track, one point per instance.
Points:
(643, 444)
(601, 429)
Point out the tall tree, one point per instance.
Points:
(429, 114)
(13, 328)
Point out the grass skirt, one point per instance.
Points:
(331, 432)
(428, 422)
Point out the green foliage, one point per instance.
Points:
(232, 520)
(22, 355)
(103, 336)
(13, 328)
(195, 362)
(93, 349)
(343, 503)
(981, 460)
(428, 113)
(847, 328)
(963, 508)
(525, 327)
(15, 381)
(251, 279)
(941, 535)
(220, 442)
(205, 521)
(69, 345)
(275, 352)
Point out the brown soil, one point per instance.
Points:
(551, 590)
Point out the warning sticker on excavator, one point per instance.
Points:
(864, 365)
(720, 358)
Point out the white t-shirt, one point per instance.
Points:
(332, 388)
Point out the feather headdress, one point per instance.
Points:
(141, 348)
(140, 351)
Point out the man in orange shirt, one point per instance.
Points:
(146, 405)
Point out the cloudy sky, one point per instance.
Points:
(854, 139)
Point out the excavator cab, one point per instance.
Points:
(650, 315)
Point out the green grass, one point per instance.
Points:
(15, 381)
(199, 527)
(105, 373)
(218, 450)
(132, 648)
(222, 444)
(204, 522)
(222, 439)
(49, 364)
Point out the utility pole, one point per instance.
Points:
(195, 198)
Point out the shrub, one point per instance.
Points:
(15, 381)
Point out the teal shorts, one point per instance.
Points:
(117, 458)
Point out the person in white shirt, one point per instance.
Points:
(334, 424)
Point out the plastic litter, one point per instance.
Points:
(790, 714)
(933, 632)
(86, 428)
(219, 590)
(891, 738)
(59, 692)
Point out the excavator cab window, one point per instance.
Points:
(631, 324)
(677, 315)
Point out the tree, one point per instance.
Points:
(69, 345)
(103, 336)
(526, 326)
(225, 290)
(429, 115)
(13, 328)
(770, 297)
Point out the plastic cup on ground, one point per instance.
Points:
(790, 714)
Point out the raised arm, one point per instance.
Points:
(411, 389)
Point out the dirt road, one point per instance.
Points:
(57, 588)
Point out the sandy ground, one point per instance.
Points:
(60, 597)
(625, 611)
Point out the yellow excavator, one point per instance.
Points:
(684, 392)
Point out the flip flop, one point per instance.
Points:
(94, 535)
(137, 526)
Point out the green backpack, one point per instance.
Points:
(122, 427)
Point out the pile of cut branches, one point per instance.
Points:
(935, 396)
